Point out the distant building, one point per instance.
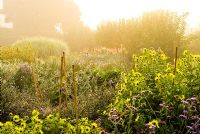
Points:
(1, 4)
(3, 23)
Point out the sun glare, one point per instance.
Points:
(96, 11)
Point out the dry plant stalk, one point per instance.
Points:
(61, 85)
(176, 55)
(75, 97)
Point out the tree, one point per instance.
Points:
(194, 45)
(156, 29)
(39, 17)
(32, 17)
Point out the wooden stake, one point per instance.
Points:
(61, 85)
(176, 55)
(65, 78)
(75, 97)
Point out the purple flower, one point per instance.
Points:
(147, 125)
(193, 99)
(169, 117)
(197, 128)
(183, 116)
(134, 99)
(191, 128)
(153, 126)
(162, 104)
(195, 118)
(114, 115)
(185, 102)
(120, 119)
(185, 112)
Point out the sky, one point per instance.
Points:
(95, 12)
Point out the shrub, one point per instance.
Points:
(23, 77)
(154, 99)
(44, 47)
(96, 83)
(50, 125)
(24, 53)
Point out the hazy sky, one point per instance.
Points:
(96, 11)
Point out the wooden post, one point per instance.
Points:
(65, 78)
(75, 97)
(61, 85)
(175, 61)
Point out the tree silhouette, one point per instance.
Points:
(158, 29)
(39, 17)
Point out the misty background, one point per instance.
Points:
(61, 20)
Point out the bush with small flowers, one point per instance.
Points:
(52, 124)
(155, 97)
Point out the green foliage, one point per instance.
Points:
(96, 83)
(30, 49)
(150, 98)
(194, 46)
(23, 77)
(158, 29)
(154, 99)
(24, 53)
(43, 47)
(50, 125)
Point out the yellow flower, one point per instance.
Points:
(23, 124)
(16, 118)
(171, 75)
(181, 97)
(35, 113)
(157, 78)
(10, 114)
(127, 100)
(62, 121)
(153, 122)
(136, 82)
(94, 125)
(41, 132)
(159, 74)
(137, 74)
(19, 130)
(8, 124)
(87, 129)
(82, 129)
(50, 116)
(163, 57)
(1, 124)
